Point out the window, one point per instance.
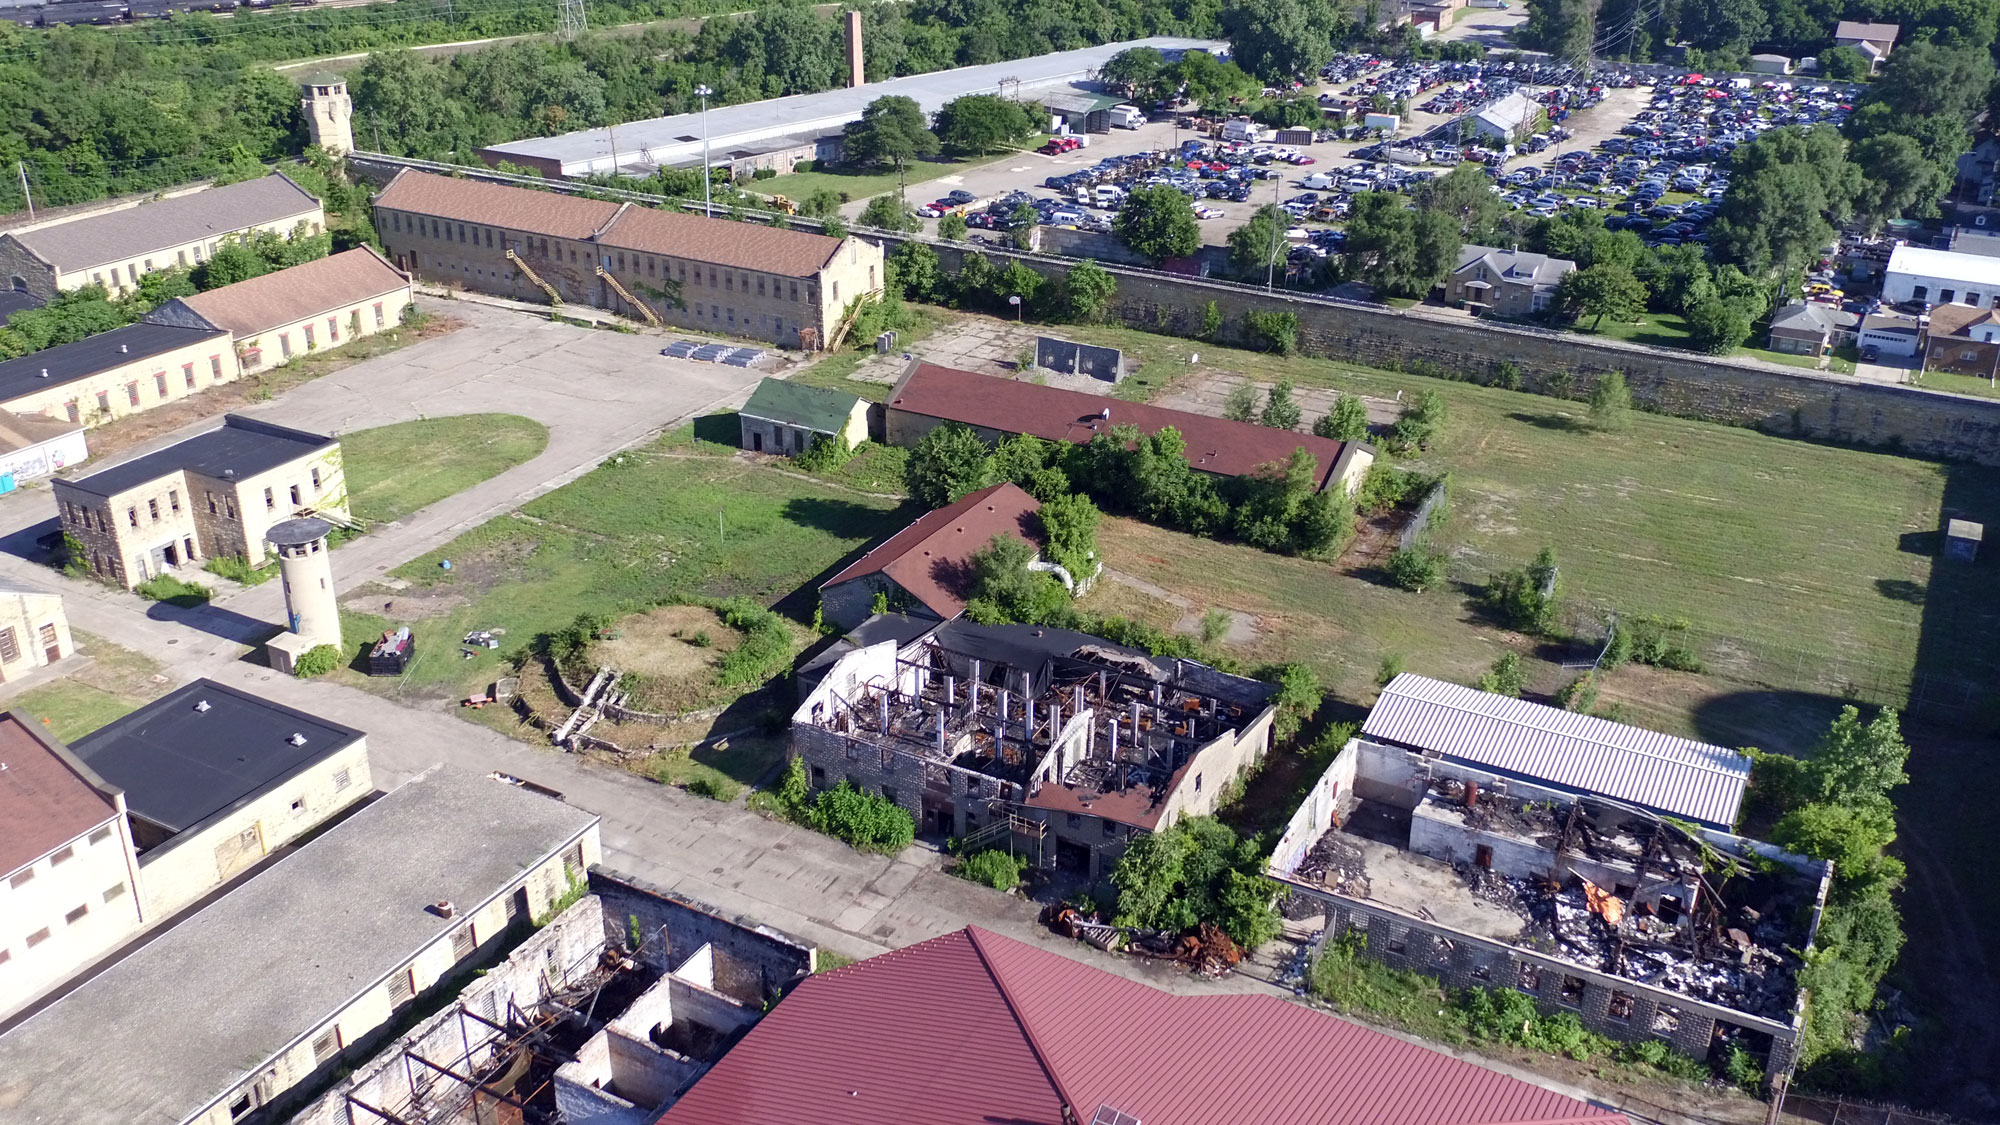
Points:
(270, 499)
(285, 344)
(794, 286)
(298, 805)
(104, 402)
(332, 330)
(573, 861)
(1111, 828)
(818, 777)
(240, 1108)
(101, 835)
(174, 499)
(401, 989)
(132, 392)
(38, 937)
(187, 375)
(228, 508)
(132, 272)
(153, 509)
(10, 646)
(462, 943)
(1075, 820)
(729, 283)
(22, 878)
(160, 383)
(1621, 1007)
(378, 314)
(115, 892)
(211, 502)
(836, 292)
(64, 855)
(1945, 296)
(1972, 299)
(1919, 292)
(396, 221)
(341, 780)
(75, 916)
(295, 494)
(310, 342)
(75, 412)
(326, 1045)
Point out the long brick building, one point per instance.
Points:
(785, 287)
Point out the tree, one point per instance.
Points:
(1563, 28)
(1724, 24)
(1611, 402)
(916, 271)
(1279, 40)
(1897, 179)
(1281, 411)
(1197, 871)
(1087, 291)
(1601, 291)
(1210, 82)
(1858, 764)
(1851, 836)
(1298, 699)
(1069, 524)
(1347, 421)
(893, 131)
(232, 262)
(951, 228)
(1259, 245)
(1004, 589)
(1718, 327)
(1418, 422)
(980, 123)
(1397, 251)
(1241, 405)
(1787, 191)
(1021, 223)
(1506, 677)
(1416, 567)
(1525, 600)
(1139, 70)
(1678, 277)
(889, 212)
(947, 463)
(1843, 64)
(1158, 223)
(1465, 195)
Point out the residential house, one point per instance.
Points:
(240, 1010)
(1890, 334)
(67, 862)
(1962, 340)
(1920, 275)
(216, 779)
(1509, 119)
(789, 287)
(213, 494)
(1873, 40)
(34, 630)
(114, 248)
(1057, 744)
(1504, 282)
(282, 315)
(926, 568)
(928, 396)
(787, 417)
(1060, 1041)
(117, 373)
(1812, 328)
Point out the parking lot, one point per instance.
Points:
(1649, 152)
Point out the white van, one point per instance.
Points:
(1242, 130)
(1318, 181)
(1127, 116)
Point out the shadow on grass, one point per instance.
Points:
(1561, 423)
(1901, 590)
(722, 429)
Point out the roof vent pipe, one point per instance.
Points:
(124, 349)
(297, 739)
(201, 706)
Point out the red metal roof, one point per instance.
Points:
(1214, 445)
(973, 1028)
(930, 557)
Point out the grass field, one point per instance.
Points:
(859, 185)
(115, 682)
(670, 522)
(395, 470)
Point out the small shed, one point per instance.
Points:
(1961, 539)
(787, 417)
(1770, 64)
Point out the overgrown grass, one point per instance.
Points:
(174, 591)
(395, 470)
(237, 569)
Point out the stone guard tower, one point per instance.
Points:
(312, 610)
(329, 113)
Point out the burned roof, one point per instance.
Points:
(987, 1029)
(1581, 753)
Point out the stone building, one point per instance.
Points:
(926, 568)
(1505, 282)
(329, 112)
(214, 494)
(34, 630)
(1067, 743)
(786, 417)
(787, 287)
(67, 862)
(117, 373)
(216, 779)
(280, 316)
(1546, 859)
(114, 248)
(235, 1012)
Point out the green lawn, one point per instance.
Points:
(106, 682)
(660, 526)
(1957, 384)
(1662, 330)
(860, 185)
(395, 470)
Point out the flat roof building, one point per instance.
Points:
(33, 446)
(113, 248)
(259, 992)
(287, 313)
(1921, 275)
(112, 374)
(643, 146)
(216, 779)
(213, 494)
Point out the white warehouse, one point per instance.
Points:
(1941, 277)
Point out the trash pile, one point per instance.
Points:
(1205, 949)
(1336, 861)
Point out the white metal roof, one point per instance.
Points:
(1945, 265)
(1675, 776)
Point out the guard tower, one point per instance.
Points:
(312, 611)
(329, 113)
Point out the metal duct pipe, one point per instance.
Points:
(885, 712)
(1003, 707)
(940, 733)
(1028, 720)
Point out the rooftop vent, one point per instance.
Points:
(444, 909)
(124, 348)
(45, 372)
(297, 739)
(1105, 413)
(202, 705)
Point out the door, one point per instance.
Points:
(757, 442)
(239, 851)
(171, 555)
(51, 647)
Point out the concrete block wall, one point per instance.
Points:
(753, 962)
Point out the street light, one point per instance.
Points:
(704, 91)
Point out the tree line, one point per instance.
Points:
(1724, 33)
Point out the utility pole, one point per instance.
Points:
(1271, 252)
(707, 209)
(21, 166)
(571, 21)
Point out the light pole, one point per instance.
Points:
(704, 91)
(1271, 253)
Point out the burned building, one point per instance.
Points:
(1064, 742)
(1646, 926)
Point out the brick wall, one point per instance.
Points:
(752, 961)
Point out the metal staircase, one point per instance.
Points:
(1007, 823)
(652, 317)
(555, 298)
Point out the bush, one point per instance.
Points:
(75, 557)
(766, 647)
(991, 868)
(173, 591)
(714, 788)
(237, 569)
(1525, 600)
(1197, 871)
(864, 821)
(764, 174)
(1611, 402)
(1417, 567)
(1273, 331)
(1418, 423)
(316, 661)
(1661, 642)
(1506, 677)
(825, 455)
(1389, 669)
(1579, 695)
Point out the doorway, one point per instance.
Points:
(51, 648)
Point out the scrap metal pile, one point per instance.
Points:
(1205, 949)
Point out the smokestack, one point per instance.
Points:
(858, 73)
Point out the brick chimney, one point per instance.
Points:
(858, 72)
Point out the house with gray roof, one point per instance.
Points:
(1509, 119)
(1812, 328)
(114, 248)
(1504, 282)
(786, 417)
(1873, 40)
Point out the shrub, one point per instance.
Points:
(764, 174)
(991, 868)
(1417, 567)
(864, 821)
(316, 661)
(1418, 423)
(236, 568)
(1347, 421)
(1197, 871)
(766, 647)
(1611, 402)
(1389, 669)
(1241, 405)
(1525, 600)
(1273, 331)
(1579, 695)
(714, 788)
(1661, 642)
(1506, 677)
(174, 591)
(825, 455)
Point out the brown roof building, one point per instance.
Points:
(67, 866)
(1963, 340)
(309, 307)
(988, 1029)
(925, 568)
(929, 395)
(787, 287)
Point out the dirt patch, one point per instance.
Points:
(672, 643)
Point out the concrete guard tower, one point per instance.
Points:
(312, 611)
(329, 113)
